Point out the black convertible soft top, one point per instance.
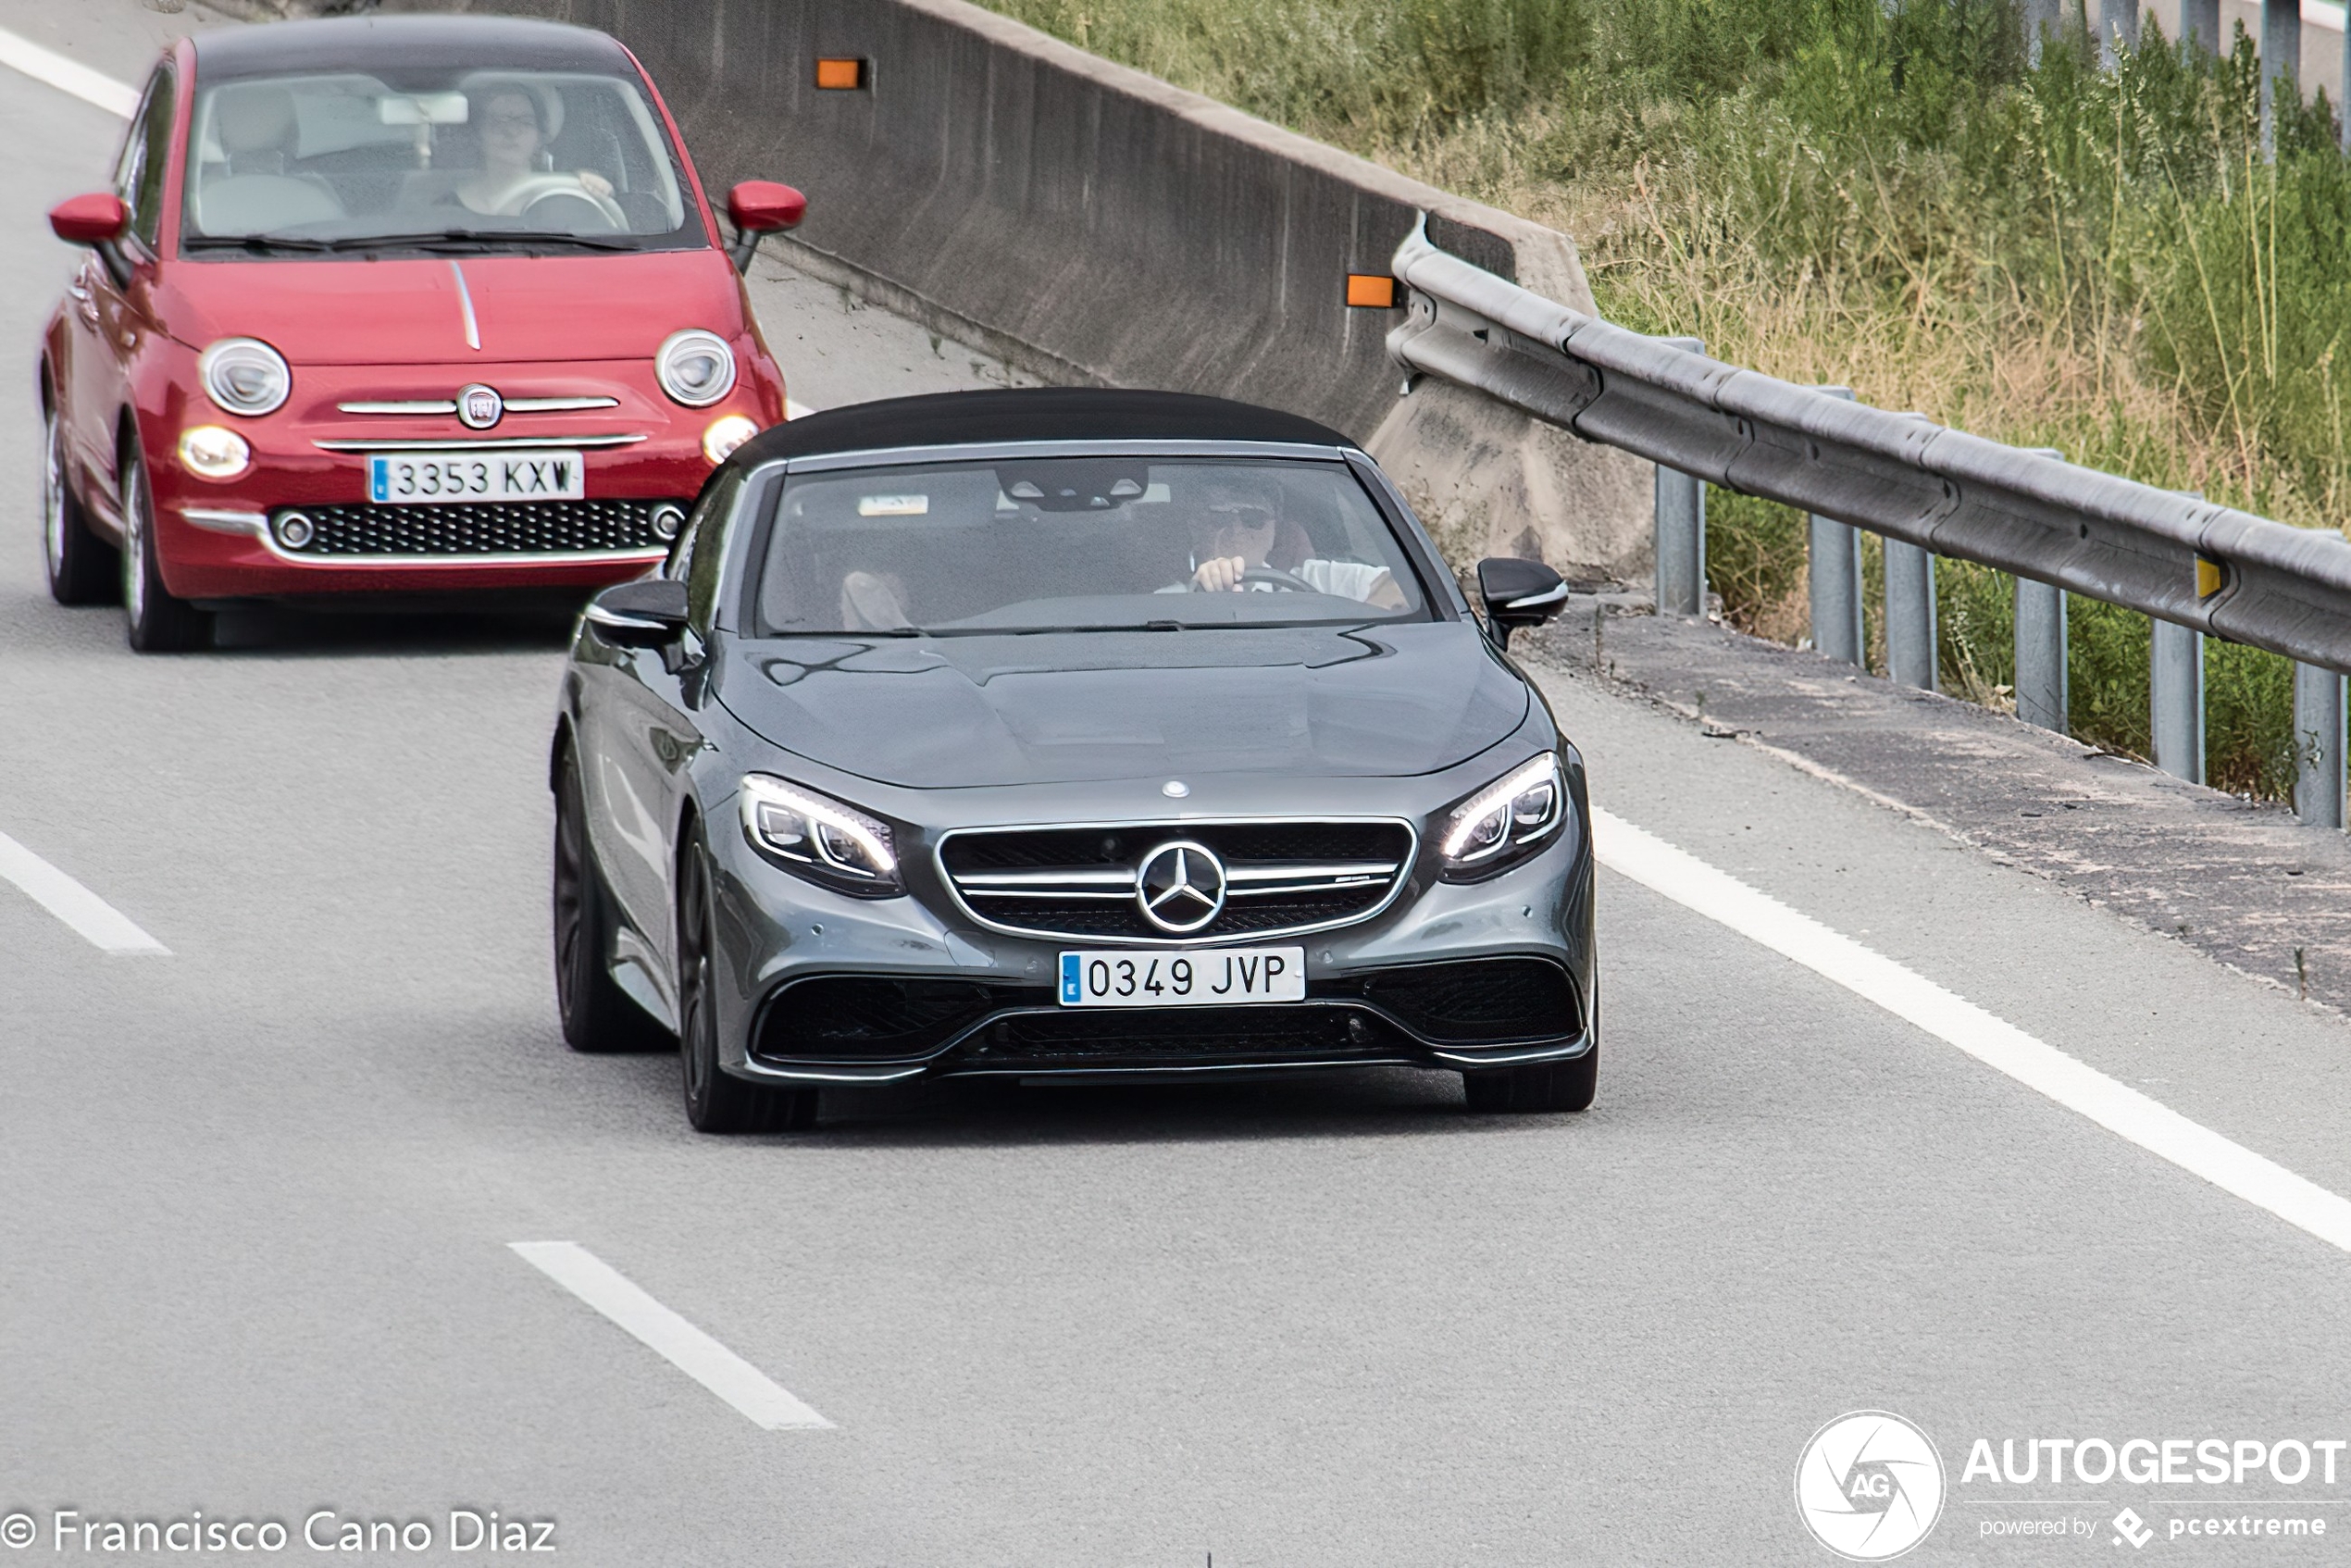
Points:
(1030, 413)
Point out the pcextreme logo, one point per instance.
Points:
(1868, 1486)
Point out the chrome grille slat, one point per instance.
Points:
(1077, 882)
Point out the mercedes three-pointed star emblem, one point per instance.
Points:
(1180, 886)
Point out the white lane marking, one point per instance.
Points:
(100, 923)
(2162, 1131)
(670, 1337)
(795, 409)
(18, 52)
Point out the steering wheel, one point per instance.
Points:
(1273, 576)
(559, 202)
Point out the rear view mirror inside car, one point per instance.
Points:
(422, 108)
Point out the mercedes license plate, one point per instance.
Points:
(1132, 978)
(438, 479)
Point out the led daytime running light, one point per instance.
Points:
(872, 838)
(1498, 796)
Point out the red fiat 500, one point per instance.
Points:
(393, 306)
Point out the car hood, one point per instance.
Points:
(1066, 708)
(409, 311)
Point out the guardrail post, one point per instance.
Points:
(2042, 692)
(1909, 616)
(2118, 31)
(2318, 746)
(1833, 570)
(2200, 20)
(2175, 699)
(2040, 19)
(1680, 530)
(2281, 57)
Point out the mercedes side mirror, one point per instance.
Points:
(758, 207)
(1517, 593)
(95, 219)
(647, 613)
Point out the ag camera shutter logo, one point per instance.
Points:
(1870, 1486)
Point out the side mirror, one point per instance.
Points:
(757, 208)
(644, 613)
(94, 220)
(1517, 593)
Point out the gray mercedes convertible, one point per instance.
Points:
(1066, 734)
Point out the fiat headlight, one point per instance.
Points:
(820, 837)
(695, 368)
(212, 452)
(726, 433)
(245, 376)
(1505, 822)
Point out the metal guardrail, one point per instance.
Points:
(2183, 561)
(2193, 563)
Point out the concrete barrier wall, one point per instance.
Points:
(1102, 226)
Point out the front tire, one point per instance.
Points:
(1549, 1086)
(82, 567)
(155, 622)
(716, 1102)
(598, 1017)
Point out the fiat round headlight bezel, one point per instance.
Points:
(227, 369)
(680, 347)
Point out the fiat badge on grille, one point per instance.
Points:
(478, 407)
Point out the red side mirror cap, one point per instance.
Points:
(89, 221)
(762, 206)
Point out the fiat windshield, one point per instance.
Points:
(469, 159)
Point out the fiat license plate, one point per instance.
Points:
(1128, 977)
(437, 479)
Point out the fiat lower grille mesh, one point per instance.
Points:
(1079, 883)
(501, 527)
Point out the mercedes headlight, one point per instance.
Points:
(820, 837)
(245, 376)
(1505, 822)
(695, 368)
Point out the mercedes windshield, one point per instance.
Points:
(1080, 544)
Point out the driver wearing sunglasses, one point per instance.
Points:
(1241, 529)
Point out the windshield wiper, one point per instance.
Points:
(254, 242)
(476, 237)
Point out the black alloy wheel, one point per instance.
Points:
(156, 622)
(716, 1102)
(1547, 1085)
(598, 1017)
(82, 567)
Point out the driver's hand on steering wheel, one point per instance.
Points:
(1220, 573)
(593, 183)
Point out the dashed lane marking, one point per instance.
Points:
(98, 922)
(2162, 1131)
(21, 54)
(668, 1335)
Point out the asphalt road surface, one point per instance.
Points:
(258, 1197)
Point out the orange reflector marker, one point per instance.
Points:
(1371, 290)
(2209, 578)
(844, 75)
